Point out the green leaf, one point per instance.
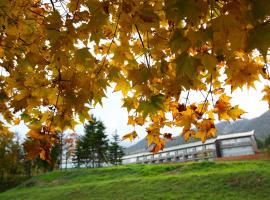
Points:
(186, 66)
(259, 38)
(260, 9)
(177, 10)
(84, 58)
(151, 106)
(179, 43)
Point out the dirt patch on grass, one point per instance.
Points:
(58, 182)
(245, 181)
(32, 183)
(175, 171)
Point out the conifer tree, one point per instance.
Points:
(92, 147)
(116, 151)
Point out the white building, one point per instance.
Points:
(236, 144)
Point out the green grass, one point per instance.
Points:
(204, 180)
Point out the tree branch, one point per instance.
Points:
(146, 58)
(107, 53)
(187, 97)
(52, 5)
(206, 98)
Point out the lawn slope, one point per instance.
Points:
(204, 180)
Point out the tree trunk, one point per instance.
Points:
(66, 163)
(2, 176)
(61, 151)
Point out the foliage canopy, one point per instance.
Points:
(57, 59)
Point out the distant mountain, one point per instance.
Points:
(261, 125)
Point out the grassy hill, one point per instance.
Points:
(204, 180)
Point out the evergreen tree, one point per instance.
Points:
(78, 158)
(260, 143)
(116, 151)
(267, 142)
(92, 148)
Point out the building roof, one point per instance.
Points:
(194, 144)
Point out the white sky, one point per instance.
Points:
(115, 117)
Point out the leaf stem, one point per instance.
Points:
(146, 58)
(107, 53)
(52, 5)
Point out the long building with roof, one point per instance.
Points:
(229, 145)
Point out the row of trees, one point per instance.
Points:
(94, 149)
(264, 144)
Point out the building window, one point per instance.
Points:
(236, 141)
(237, 151)
(210, 146)
(199, 148)
(228, 142)
(190, 150)
(156, 155)
(181, 151)
(243, 140)
(163, 155)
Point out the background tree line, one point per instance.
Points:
(93, 149)
(264, 144)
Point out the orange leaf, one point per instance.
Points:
(159, 146)
(168, 136)
(131, 136)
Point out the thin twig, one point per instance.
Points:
(77, 4)
(52, 5)
(36, 13)
(147, 61)
(187, 97)
(267, 71)
(206, 98)
(202, 94)
(114, 34)
(148, 46)
(55, 107)
(212, 99)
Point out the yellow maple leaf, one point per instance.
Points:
(42, 154)
(202, 135)
(158, 146)
(235, 112)
(188, 134)
(131, 120)
(17, 121)
(131, 136)
(266, 96)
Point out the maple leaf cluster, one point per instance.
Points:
(57, 60)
